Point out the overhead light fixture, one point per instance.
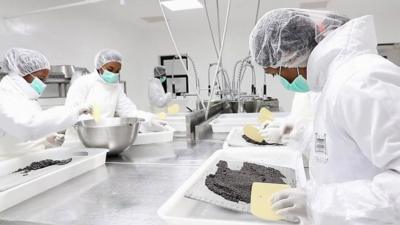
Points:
(177, 5)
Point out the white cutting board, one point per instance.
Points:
(15, 188)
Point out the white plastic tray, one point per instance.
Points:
(179, 210)
(238, 115)
(177, 121)
(225, 122)
(225, 125)
(21, 188)
(155, 137)
(235, 140)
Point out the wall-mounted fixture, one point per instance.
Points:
(177, 5)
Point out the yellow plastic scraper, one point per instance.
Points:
(162, 116)
(96, 113)
(253, 133)
(261, 194)
(173, 109)
(265, 115)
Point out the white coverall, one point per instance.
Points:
(157, 95)
(91, 89)
(355, 157)
(23, 124)
(110, 98)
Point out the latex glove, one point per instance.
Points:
(153, 125)
(291, 203)
(272, 132)
(85, 109)
(54, 140)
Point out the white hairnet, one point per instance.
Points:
(105, 56)
(159, 71)
(286, 37)
(25, 61)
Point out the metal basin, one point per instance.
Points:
(116, 134)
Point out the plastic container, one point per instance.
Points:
(178, 210)
(226, 125)
(177, 121)
(225, 122)
(16, 188)
(155, 137)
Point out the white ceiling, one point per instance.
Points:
(242, 11)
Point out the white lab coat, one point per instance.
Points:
(355, 160)
(110, 98)
(157, 95)
(23, 124)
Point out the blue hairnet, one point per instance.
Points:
(286, 37)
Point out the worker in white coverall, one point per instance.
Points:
(157, 88)
(24, 126)
(355, 156)
(103, 90)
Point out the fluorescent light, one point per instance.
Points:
(176, 5)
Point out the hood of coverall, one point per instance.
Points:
(356, 37)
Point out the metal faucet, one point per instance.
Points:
(245, 63)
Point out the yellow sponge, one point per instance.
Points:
(253, 133)
(173, 109)
(162, 116)
(96, 112)
(265, 115)
(261, 194)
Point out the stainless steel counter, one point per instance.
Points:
(129, 189)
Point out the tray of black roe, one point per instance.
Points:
(42, 164)
(229, 184)
(235, 185)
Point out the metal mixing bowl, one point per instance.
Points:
(116, 134)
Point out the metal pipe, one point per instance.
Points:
(210, 27)
(195, 73)
(176, 48)
(219, 23)
(265, 88)
(173, 78)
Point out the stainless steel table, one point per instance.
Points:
(129, 189)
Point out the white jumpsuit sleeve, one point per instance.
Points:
(157, 95)
(77, 94)
(28, 126)
(369, 112)
(126, 108)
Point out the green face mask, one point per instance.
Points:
(163, 79)
(110, 77)
(38, 85)
(298, 85)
